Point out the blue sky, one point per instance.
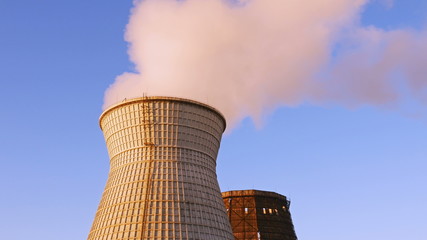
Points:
(351, 174)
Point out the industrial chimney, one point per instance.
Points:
(162, 182)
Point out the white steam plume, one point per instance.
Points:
(378, 67)
(248, 58)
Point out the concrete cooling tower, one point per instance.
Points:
(162, 182)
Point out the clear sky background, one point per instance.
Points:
(351, 173)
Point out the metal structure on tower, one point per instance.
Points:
(259, 215)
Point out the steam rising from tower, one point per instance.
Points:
(248, 57)
(162, 182)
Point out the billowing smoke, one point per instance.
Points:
(248, 57)
(377, 67)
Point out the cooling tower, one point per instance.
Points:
(162, 182)
(259, 215)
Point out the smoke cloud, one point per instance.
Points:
(247, 58)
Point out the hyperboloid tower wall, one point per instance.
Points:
(259, 215)
(162, 182)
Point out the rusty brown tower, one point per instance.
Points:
(259, 215)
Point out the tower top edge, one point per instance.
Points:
(252, 193)
(161, 98)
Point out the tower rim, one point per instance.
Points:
(253, 193)
(157, 98)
